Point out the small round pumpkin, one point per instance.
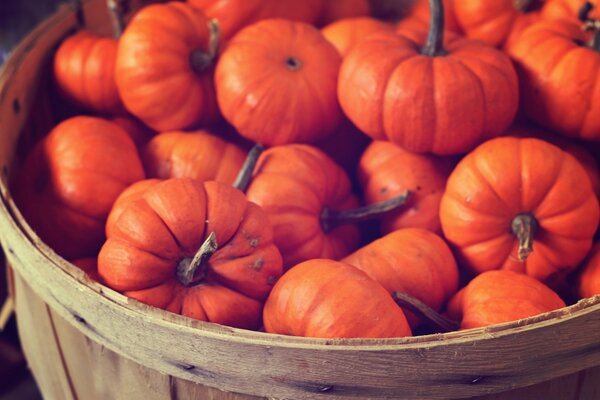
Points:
(568, 9)
(329, 299)
(588, 280)
(520, 204)
(70, 181)
(276, 83)
(164, 69)
(199, 155)
(432, 98)
(495, 297)
(335, 10)
(345, 33)
(416, 262)
(197, 249)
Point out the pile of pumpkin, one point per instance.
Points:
(154, 187)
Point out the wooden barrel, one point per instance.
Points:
(85, 341)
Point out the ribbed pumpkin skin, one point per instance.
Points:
(166, 224)
(505, 177)
(154, 74)
(559, 78)
(329, 299)
(413, 261)
(344, 34)
(198, 155)
(335, 10)
(588, 283)
(271, 102)
(568, 9)
(69, 182)
(294, 184)
(444, 105)
(233, 15)
(495, 297)
(84, 71)
(386, 170)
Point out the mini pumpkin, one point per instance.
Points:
(276, 83)
(329, 299)
(568, 9)
(70, 181)
(197, 249)
(344, 34)
(588, 280)
(522, 205)
(495, 297)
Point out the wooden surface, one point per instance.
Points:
(68, 322)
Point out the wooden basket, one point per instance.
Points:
(85, 341)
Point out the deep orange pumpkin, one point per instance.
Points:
(431, 98)
(164, 69)
(84, 71)
(386, 170)
(588, 282)
(495, 297)
(344, 34)
(335, 10)
(132, 193)
(198, 155)
(276, 83)
(559, 71)
(412, 261)
(520, 204)
(329, 299)
(70, 181)
(198, 249)
(567, 9)
(233, 15)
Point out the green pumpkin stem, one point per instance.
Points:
(406, 301)
(201, 59)
(117, 10)
(524, 227)
(435, 39)
(191, 271)
(245, 175)
(332, 218)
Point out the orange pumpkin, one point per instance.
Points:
(522, 205)
(132, 193)
(559, 70)
(329, 299)
(276, 83)
(412, 261)
(386, 170)
(344, 34)
(70, 181)
(588, 282)
(138, 132)
(164, 69)
(495, 297)
(234, 15)
(199, 155)
(568, 9)
(493, 21)
(439, 99)
(335, 10)
(198, 249)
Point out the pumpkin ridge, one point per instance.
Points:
(459, 54)
(545, 220)
(588, 111)
(501, 261)
(84, 58)
(483, 180)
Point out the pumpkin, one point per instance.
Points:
(588, 281)
(138, 132)
(439, 99)
(493, 21)
(335, 10)
(567, 9)
(164, 69)
(276, 83)
(495, 297)
(386, 170)
(330, 299)
(522, 205)
(233, 15)
(559, 70)
(70, 181)
(412, 261)
(199, 155)
(133, 192)
(197, 249)
(344, 34)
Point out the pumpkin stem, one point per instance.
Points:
(191, 271)
(590, 24)
(525, 6)
(332, 218)
(117, 8)
(200, 59)
(415, 305)
(243, 179)
(435, 39)
(523, 227)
